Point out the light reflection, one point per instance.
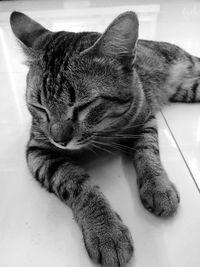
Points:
(169, 137)
(195, 169)
(198, 131)
(10, 73)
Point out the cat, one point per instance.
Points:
(90, 91)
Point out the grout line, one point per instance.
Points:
(179, 149)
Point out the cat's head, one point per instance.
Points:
(80, 86)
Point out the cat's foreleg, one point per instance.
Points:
(107, 239)
(158, 194)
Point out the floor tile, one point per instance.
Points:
(38, 230)
(184, 122)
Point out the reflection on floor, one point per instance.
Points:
(36, 229)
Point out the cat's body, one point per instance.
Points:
(89, 91)
(164, 68)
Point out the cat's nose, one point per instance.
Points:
(61, 132)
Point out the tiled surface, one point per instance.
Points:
(36, 229)
(184, 122)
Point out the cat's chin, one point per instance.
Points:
(73, 146)
(70, 146)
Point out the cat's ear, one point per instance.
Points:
(119, 39)
(30, 33)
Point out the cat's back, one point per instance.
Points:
(162, 51)
(153, 63)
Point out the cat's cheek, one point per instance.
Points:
(82, 115)
(40, 117)
(105, 123)
(42, 123)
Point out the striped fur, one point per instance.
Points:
(90, 91)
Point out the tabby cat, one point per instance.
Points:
(89, 91)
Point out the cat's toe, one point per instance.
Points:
(109, 247)
(160, 197)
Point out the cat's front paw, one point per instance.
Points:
(160, 196)
(111, 246)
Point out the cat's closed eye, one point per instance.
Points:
(105, 109)
(39, 112)
(84, 109)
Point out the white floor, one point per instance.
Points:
(36, 229)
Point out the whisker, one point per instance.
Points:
(92, 150)
(120, 147)
(132, 126)
(112, 145)
(98, 147)
(119, 136)
(104, 149)
(127, 148)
